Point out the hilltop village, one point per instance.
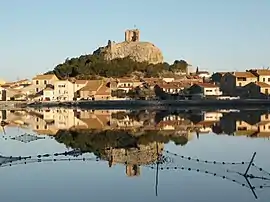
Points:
(135, 70)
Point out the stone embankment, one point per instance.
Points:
(131, 104)
(12, 105)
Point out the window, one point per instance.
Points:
(37, 127)
(268, 79)
(45, 82)
(241, 79)
(266, 91)
(208, 90)
(240, 84)
(37, 82)
(263, 79)
(37, 90)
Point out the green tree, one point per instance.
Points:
(179, 66)
(91, 66)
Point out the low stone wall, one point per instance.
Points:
(9, 105)
(130, 104)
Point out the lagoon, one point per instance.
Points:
(134, 155)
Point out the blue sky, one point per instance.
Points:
(215, 35)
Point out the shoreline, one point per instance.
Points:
(12, 105)
(158, 104)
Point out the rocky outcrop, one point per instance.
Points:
(143, 155)
(138, 51)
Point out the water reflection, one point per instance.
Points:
(174, 126)
(138, 140)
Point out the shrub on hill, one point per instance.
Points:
(92, 66)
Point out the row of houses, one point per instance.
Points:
(50, 121)
(50, 88)
(252, 84)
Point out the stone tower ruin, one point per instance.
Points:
(133, 170)
(132, 35)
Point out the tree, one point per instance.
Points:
(89, 66)
(74, 72)
(179, 66)
(197, 70)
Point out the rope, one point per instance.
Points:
(205, 161)
(161, 160)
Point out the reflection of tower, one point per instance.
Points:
(110, 161)
(133, 170)
(132, 35)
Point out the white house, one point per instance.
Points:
(203, 74)
(64, 90)
(48, 93)
(206, 89)
(212, 116)
(41, 81)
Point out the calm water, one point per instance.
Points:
(134, 156)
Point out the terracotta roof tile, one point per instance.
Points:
(81, 82)
(244, 74)
(44, 76)
(46, 132)
(92, 85)
(125, 80)
(262, 84)
(206, 85)
(261, 72)
(173, 85)
(103, 90)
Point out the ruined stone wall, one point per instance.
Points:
(132, 35)
(133, 48)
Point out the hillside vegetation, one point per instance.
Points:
(93, 66)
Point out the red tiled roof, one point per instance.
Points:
(44, 77)
(173, 85)
(206, 85)
(81, 81)
(244, 74)
(262, 84)
(125, 80)
(261, 72)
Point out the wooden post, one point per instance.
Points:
(250, 163)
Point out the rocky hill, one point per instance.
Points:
(122, 59)
(137, 51)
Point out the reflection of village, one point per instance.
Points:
(190, 123)
(186, 124)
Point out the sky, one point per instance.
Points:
(215, 35)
